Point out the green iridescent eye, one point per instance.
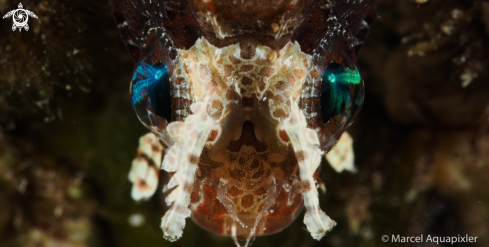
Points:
(341, 93)
(150, 92)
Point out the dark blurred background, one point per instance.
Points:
(68, 133)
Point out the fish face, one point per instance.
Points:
(246, 99)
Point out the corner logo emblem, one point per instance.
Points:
(20, 17)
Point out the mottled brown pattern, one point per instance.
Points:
(228, 70)
(280, 85)
(279, 113)
(242, 169)
(210, 214)
(246, 81)
(247, 101)
(235, 191)
(261, 85)
(246, 175)
(246, 68)
(247, 201)
(262, 25)
(206, 164)
(284, 136)
(267, 71)
(260, 191)
(289, 165)
(306, 186)
(218, 107)
(259, 173)
(236, 174)
(300, 156)
(255, 164)
(247, 50)
(312, 105)
(213, 135)
(283, 215)
(180, 104)
(179, 81)
(193, 159)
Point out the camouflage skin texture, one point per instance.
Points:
(243, 100)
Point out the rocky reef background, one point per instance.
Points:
(68, 133)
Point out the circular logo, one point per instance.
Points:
(385, 238)
(20, 17)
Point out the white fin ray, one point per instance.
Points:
(273, 191)
(223, 198)
(342, 157)
(269, 201)
(182, 158)
(145, 167)
(172, 157)
(305, 143)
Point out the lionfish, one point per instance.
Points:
(243, 99)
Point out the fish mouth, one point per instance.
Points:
(247, 186)
(244, 158)
(248, 181)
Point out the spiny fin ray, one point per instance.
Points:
(305, 143)
(182, 158)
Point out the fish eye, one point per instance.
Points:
(342, 93)
(151, 94)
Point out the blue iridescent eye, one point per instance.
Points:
(341, 93)
(151, 94)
